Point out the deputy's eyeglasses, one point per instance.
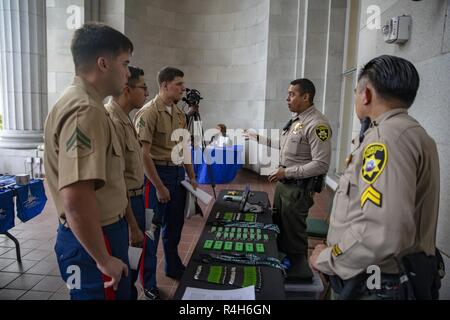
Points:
(145, 88)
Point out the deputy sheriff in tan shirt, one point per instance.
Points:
(305, 153)
(390, 184)
(387, 201)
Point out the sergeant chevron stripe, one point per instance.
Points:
(78, 140)
(373, 195)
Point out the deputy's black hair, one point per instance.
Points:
(306, 86)
(393, 78)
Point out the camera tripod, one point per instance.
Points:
(191, 119)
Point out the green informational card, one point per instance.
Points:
(215, 274)
(249, 217)
(239, 247)
(228, 246)
(208, 244)
(218, 245)
(260, 248)
(249, 247)
(228, 216)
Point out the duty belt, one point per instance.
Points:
(302, 183)
(390, 286)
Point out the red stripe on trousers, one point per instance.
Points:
(141, 267)
(109, 292)
(144, 245)
(147, 194)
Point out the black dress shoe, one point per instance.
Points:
(152, 294)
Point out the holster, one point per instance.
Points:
(424, 273)
(309, 185)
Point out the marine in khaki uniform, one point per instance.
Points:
(155, 124)
(131, 98)
(386, 205)
(84, 168)
(305, 153)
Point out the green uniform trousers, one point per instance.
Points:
(291, 205)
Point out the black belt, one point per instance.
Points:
(355, 287)
(63, 222)
(302, 183)
(166, 163)
(136, 192)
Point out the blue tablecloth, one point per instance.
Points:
(6, 210)
(30, 201)
(224, 164)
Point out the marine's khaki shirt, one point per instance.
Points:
(155, 126)
(131, 147)
(81, 145)
(387, 201)
(305, 149)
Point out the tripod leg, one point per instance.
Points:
(214, 191)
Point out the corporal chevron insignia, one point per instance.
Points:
(323, 133)
(374, 162)
(373, 195)
(141, 123)
(78, 143)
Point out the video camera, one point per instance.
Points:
(193, 97)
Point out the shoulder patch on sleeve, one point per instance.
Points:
(373, 195)
(323, 132)
(79, 144)
(374, 161)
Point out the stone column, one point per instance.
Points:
(23, 65)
